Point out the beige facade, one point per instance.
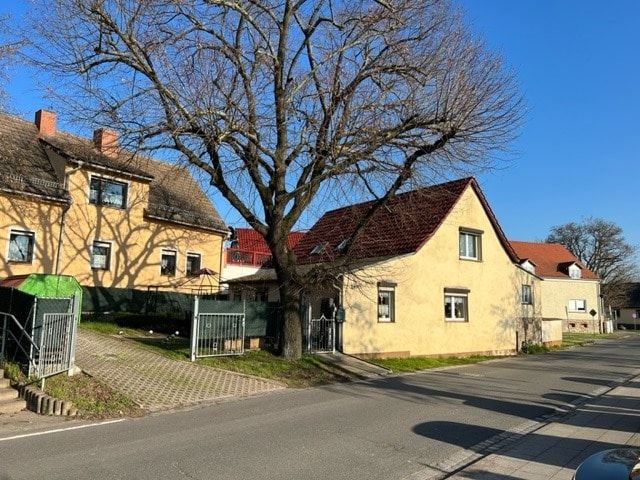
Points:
(136, 242)
(493, 285)
(564, 299)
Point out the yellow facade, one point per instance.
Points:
(557, 295)
(497, 321)
(136, 241)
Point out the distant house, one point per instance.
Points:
(431, 274)
(89, 209)
(246, 253)
(627, 306)
(569, 290)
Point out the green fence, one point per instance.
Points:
(129, 300)
(261, 318)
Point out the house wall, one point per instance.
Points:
(556, 294)
(626, 317)
(136, 241)
(495, 322)
(38, 216)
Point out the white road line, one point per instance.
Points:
(57, 430)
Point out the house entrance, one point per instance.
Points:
(321, 325)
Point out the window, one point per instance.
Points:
(107, 192)
(469, 244)
(526, 298)
(100, 255)
(21, 244)
(168, 263)
(577, 305)
(318, 248)
(342, 245)
(456, 305)
(386, 302)
(193, 263)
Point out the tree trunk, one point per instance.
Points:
(291, 338)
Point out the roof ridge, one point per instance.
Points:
(404, 193)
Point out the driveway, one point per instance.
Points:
(157, 382)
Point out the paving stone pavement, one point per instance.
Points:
(555, 450)
(157, 382)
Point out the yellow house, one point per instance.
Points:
(570, 291)
(431, 274)
(89, 209)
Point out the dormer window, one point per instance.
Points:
(529, 266)
(342, 245)
(103, 191)
(575, 271)
(317, 250)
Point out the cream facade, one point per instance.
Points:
(572, 301)
(496, 320)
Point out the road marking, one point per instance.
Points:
(58, 430)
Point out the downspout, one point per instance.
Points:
(64, 215)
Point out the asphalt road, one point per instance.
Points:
(383, 429)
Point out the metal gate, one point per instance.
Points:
(44, 340)
(216, 334)
(321, 335)
(56, 340)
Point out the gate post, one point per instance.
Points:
(73, 330)
(309, 327)
(194, 329)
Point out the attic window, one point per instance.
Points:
(107, 192)
(342, 245)
(317, 250)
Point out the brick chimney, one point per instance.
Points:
(46, 123)
(106, 141)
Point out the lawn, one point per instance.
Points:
(414, 364)
(571, 339)
(92, 398)
(310, 370)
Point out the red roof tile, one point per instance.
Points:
(402, 226)
(251, 241)
(551, 259)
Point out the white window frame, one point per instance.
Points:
(106, 243)
(169, 251)
(477, 238)
(390, 289)
(449, 297)
(21, 231)
(186, 261)
(112, 180)
(528, 298)
(572, 305)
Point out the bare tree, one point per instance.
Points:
(280, 102)
(601, 246)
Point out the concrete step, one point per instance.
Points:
(8, 393)
(12, 406)
(4, 382)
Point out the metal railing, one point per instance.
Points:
(247, 257)
(18, 341)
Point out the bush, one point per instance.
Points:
(529, 347)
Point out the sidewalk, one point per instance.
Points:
(556, 449)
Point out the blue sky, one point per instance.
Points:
(578, 64)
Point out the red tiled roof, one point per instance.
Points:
(551, 259)
(251, 241)
(402, 226)
(13, 281)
